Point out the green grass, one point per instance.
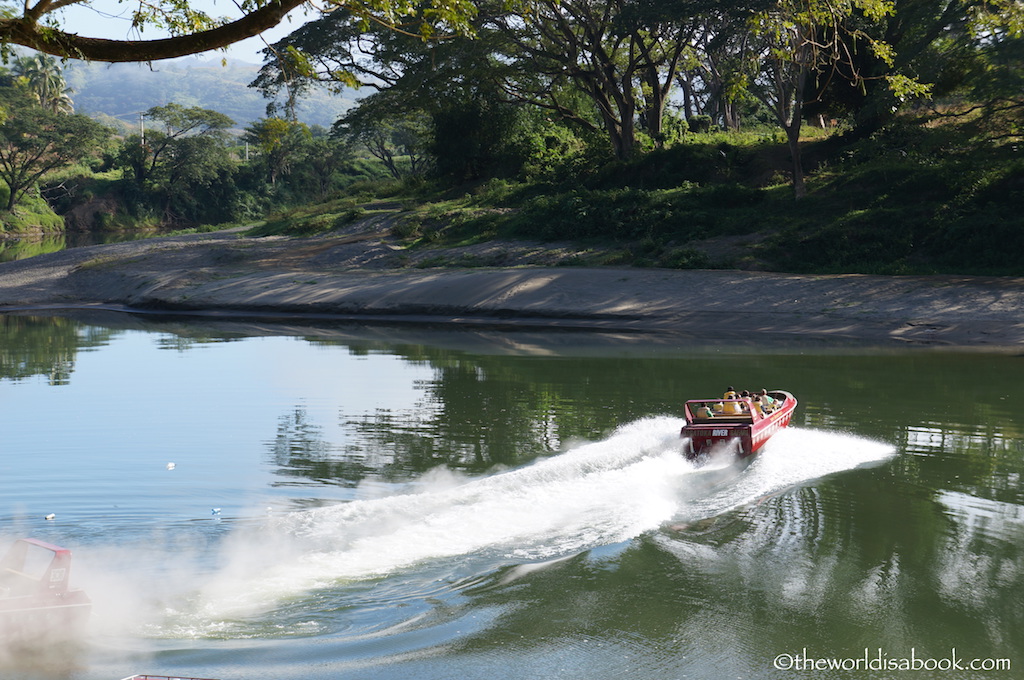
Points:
(31, 215)
(310, 220)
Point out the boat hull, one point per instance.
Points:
(38, 621)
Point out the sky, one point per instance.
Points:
(112, 19)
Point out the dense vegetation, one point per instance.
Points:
(667, 134)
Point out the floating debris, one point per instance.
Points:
(51, 516)
(171, 466)
(214, 511)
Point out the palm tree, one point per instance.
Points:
(43, 76)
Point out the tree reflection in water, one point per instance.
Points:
(45, 346)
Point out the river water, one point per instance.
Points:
(256, 501)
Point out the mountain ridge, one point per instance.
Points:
(123, 91)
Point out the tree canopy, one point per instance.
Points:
(613, 67)
(35, 140)
(179, 147)
(45, 80)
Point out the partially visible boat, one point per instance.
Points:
(737, 424)
(37, 602)
(147, 676)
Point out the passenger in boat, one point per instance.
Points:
(755, 404)
(705, 412)
(730, 393)
(767, 402)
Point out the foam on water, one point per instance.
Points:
(791, 457)
(594, 494)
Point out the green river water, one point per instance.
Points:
(249, 500)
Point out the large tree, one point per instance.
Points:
(279, 144)
(711, 77)
(183, 156)
(38, 25)
(422, 87)
(167, 152)
(800, 46)
(34, 141)
(622, 55)
(954, 45)
(399, 138)
(340, 50)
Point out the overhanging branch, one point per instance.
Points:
(28, 33)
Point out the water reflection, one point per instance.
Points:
(47, 347)
(303, 456)
(477, 412)
(479, 409)
(507, 509)
(25, 247)
(29, 245)
(982, 561)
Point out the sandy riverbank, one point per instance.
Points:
(364, 276)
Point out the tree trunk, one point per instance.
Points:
(793, 133)
(617, 114)
(622, 136)
(685, 85)
(731, 114)
(793, 142)
(654, 113)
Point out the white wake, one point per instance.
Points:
(594, 494)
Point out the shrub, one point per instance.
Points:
(700, 123)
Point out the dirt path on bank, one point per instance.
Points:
(366, 276)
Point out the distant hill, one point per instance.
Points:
(122, 91)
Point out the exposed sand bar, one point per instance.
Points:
(225, 273)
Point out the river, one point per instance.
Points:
(258, 501)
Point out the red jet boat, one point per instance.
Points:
(36, 601)
(734, 423)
